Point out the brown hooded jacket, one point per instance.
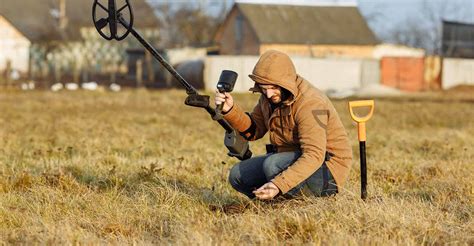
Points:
(305, 121)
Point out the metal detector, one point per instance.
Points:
(362, 138)
(120, 27)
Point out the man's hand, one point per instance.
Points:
(267, 191)
(225, 98)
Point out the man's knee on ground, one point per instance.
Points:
(271, 167)
(234, 176)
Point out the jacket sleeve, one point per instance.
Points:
(311, 119)
(251, 126)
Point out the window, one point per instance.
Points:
(239, 22)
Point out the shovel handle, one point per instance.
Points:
(361, 119)
(363, 103)
(362, 137)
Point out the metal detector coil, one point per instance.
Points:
(113, 19)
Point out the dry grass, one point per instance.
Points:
(140, 167)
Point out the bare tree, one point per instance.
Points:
(164, 13)
(196, 27)
(425, 30)
(186, 24)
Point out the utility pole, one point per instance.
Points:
(62, 15)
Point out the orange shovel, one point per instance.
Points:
(362, 137)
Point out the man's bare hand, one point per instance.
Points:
(267, 191)
(225, 98)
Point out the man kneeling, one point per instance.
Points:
(309, 147)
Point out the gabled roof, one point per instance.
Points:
(33, 18)
(297, 24)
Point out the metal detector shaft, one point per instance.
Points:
(190, 90)
(221, 122)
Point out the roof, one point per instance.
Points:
(33, 18)
(297, 24)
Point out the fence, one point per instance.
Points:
(325, 74)
(457, 71)
(404, 73)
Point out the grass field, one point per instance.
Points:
(141, 167)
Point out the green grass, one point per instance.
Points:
(141, 167)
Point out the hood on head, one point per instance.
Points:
(275, 68)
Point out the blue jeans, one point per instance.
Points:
(250, 174)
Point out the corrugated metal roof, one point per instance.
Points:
(291, 24)
(33, 18)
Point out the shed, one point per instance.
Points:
(317, 31)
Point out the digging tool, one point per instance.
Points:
(361, 120)
(238, 147)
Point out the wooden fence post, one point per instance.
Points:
(85, 71)
(31, 71)
(139, 73)
(113, 73)
(57, 72)
(8, 72)
(149, 66)
(45, 73)
(76, 72)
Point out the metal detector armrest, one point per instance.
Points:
(195, 100)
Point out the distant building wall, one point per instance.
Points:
(242, 65)
(392, 50)
(325, 74)
(238, 37)
(457, 72)
(349, 51)
(370, 72)
(176, 56)
(433, 72)
(404, 73)
(14, 47)
(457, 39)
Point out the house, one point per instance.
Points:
(62, 20)
(457, 49)
(14, 51)
(457, 40)
(60, 33)
(315, 31)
